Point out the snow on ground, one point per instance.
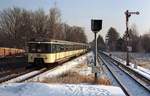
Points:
(141, 59)
(23, 77)
(42, 89)
(63, 68)
(84, 70)
(139, 69)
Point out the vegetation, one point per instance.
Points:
(76, 78)
(100, 43)
(18, 26)
(138, 43)
(77, 75)
(112, 37)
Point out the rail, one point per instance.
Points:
(116, 70)
(139, 75)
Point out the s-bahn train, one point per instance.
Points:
(47, 53)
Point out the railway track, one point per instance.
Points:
(129, 85)
(10, 75)
(143, 80)
(26, 76)
(12, 67)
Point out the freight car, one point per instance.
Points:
(10, 51)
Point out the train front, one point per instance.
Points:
(39, 53)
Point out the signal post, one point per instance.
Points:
(128, 48)
(96, 26)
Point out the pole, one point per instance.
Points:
(96, 25)
(127, 38)
(95, 54)
(128, 14)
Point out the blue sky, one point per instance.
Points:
(80, 12)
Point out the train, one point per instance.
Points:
(4, 51)
(54, 51)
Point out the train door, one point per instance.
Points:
(57, 51)
(53, 52)
(61, 51)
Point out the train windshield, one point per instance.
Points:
(39, 47)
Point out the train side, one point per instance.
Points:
(54, 51)
(10, 51)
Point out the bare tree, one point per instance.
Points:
(39, 24)
(54, 24)
(145, 39)
(10, 24)
(74, 33)
(134, 38)
(18, 26)
(77, 34)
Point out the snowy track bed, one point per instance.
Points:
(62, 69)
(130, 85)
(139, 73)
(13, 74)
(107, 72)
(44, 73)
(25, 76)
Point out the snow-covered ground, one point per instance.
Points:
(54, 72)
(33, 88)
(141, 59)
(141, 70)
(42, 89)
(64, 68)
(23, 77)
(145, 72)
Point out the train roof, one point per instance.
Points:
(59, 42)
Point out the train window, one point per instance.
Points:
(58, 47)
(32, 47)
(68, 47)
(79, 46)
(61, 48)
(54, 48)
(72, 47)
(64, 47)
(39, 48)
